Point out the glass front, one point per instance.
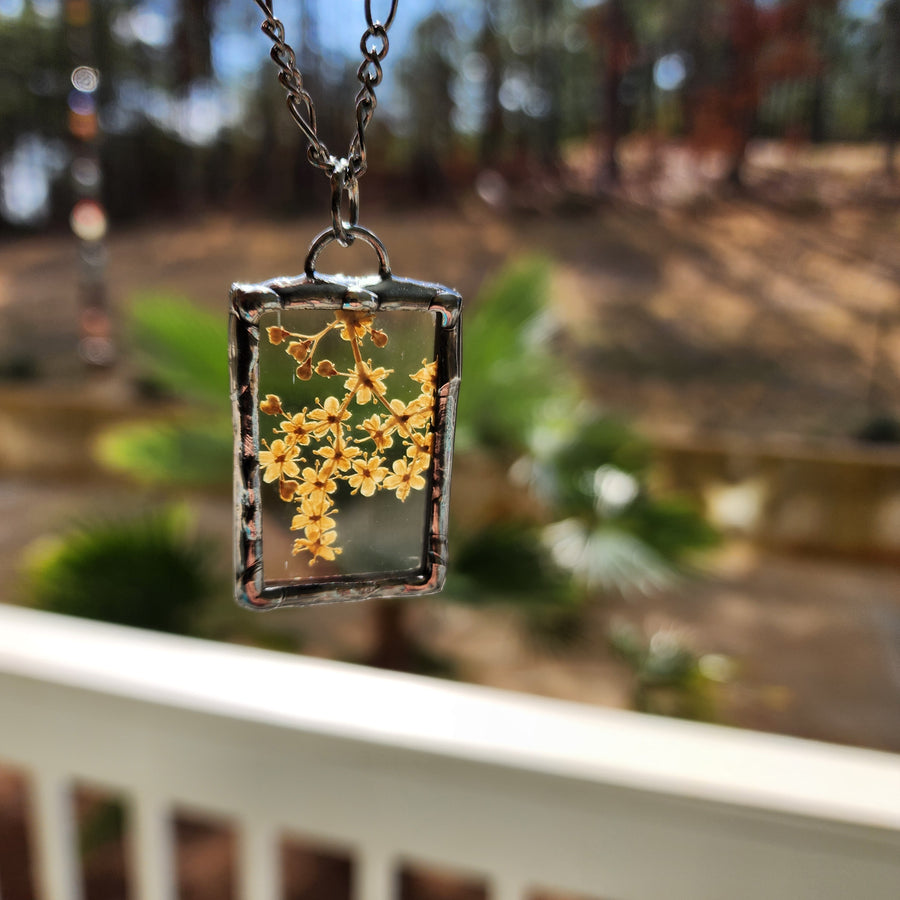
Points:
(346, 410)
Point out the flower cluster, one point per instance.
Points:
(337, 440)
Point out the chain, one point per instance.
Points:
(344, 172)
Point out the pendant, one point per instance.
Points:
(344, 395)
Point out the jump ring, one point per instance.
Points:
(357, 231)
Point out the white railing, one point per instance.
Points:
(522, 792)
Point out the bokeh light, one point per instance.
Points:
(669, 72)
(88, 220)
(85, 79)
(85, 173)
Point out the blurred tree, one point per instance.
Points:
(427, 74)
(742, 85)
(612, 30)
(191, 45)
(549, 59)
(488, 45)
(889, 81)
(33, 77)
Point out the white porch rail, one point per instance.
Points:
(523, 792)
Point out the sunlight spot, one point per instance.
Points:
(614, 489)
(736, 506)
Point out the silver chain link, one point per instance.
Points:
(343, 172)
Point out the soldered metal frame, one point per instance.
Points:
(316, 292)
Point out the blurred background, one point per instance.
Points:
(677, 485)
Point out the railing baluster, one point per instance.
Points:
(259, 861)
(375, 875)
(55, 835)
(152, 850)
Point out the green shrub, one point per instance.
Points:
(146, 571)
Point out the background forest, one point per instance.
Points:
(187, 114)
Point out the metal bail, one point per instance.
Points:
(320, 242)
(344, 183)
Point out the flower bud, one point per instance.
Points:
(277, 334)
(287, 489)
(271, 405)
(299, 349)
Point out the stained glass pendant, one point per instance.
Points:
(344, 395)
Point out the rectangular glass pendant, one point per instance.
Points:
(344, 395)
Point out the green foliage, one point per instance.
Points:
(510, 374)
(182, 347)
(147, 572)
(669, 677)
(184, 350)
(178, 454)
(568, 473)
(508, 560)
(602, 530)
(671, 525)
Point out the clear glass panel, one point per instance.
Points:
(346, 403)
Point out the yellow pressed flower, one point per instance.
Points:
(329, 416)
(339, 455)
(403, 479)
(271, 406)
(420, 462)
(367, 382)
(368, 475)
(421, 444)
(313, 516)
(424, 406)
(376, 430)
(316, 481)
(353, 324)
(278, 461)
(406, 417)
(319, 546)
(426, 376)
(296, 428)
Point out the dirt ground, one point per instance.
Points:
(768, 312)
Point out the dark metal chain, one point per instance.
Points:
(343, 172)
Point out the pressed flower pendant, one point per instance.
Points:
(344, 395)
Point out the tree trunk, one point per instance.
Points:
(617, 58)
(393, 647)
